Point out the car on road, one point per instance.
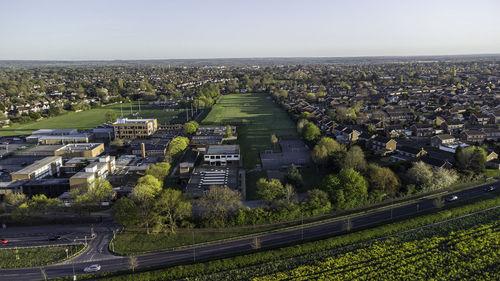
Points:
(54, 238)
(490, 189)
(451, 198)
(92, 268)
(3, 241)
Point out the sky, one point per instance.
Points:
(175, 29)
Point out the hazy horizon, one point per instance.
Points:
(163, 30)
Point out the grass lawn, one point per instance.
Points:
(492, 173)
(261, 118)
(131, 243)
(89, 119)
(40, 256)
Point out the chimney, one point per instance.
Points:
(143, 149)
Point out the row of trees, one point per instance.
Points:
(84, 199)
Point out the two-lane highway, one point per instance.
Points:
(110, 263)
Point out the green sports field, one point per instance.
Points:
(259, 117)
(89, 119)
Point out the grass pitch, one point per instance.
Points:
(257, 117)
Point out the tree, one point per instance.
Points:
(270, 190)
(274, 140)
(111, 116)
(420, 174)
(218, 202)
(171, 208)
(133, 263)
(316, 202)
(93, 193)
(354, 159)
(146, 189)
(478, 160)
(310, 132)
(159, 170)
(305, 115)
(471, 158)
(289, 191)
(143, 194)
(325, 149)
(347, 189)
(15, 199)
(117, 142)
(40, 204)
(460, 158)
(229, 132)
(124, 212)
(293, 177)
(383, 180)
(344, 115)
(191, 127)
(438, 202)
(256, 243)
(178, 145)
(443, 178)
(300, 125)
(320, 155)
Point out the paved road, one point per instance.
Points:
(111, 263)
(32, 236)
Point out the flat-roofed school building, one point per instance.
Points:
(48, 166)
(125, 128)
(222, 155)
(80, 150)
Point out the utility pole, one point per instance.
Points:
(194, 249)
(121, 110)
(302, 228)
(392, 206)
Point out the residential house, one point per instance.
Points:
(495, 117)
(411, 152)
(442, 140)
(382, 144)
(491, 134)
(479, 118)
(394, 131)
(452, 126)
(348, 135)
(493, 164)
(422, 130)
(472, 136)
(491, 155)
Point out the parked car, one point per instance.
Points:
(490, 188)
(451, 198)
(54, 238)
(3, 241)
(92, 268)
